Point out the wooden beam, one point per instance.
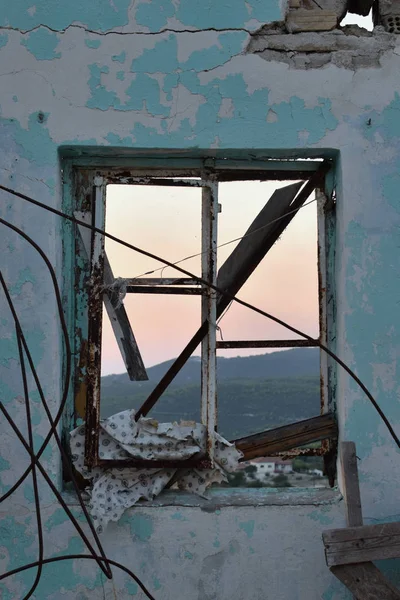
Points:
(287, 437)
(351, 487)
(117, 314)
(267, 344)
(164, 289)
(364, 580)
(362, 544)
(143, 281)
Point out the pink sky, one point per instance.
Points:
(166, 221)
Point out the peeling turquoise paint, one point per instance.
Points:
(19, 544)
(162, 58)
(93, 44)
(42, 44)
(31, 139)
(178, 516)
(15, 98)
(156, 584)
(3, 39)
(155, 15)
(141, 526)
(321, 516)
(25, 275)
(4, 466)
(208, 14)
(131, 587)
(248, 527)
(8, 352)
(67, 578)
(99, 15)
(121, 75)
(229, 44)
(188, 555)
(121, 58)
(28, 493)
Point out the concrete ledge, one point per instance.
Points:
(218, 498)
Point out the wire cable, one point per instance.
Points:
(238, 239)
(101, 560)
(34, 474)
(35, 457)
(78, 557)
(223, 292)
(53, 430)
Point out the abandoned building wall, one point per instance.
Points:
(181, 75)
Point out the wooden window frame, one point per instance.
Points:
(89, 185)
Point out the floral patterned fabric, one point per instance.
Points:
(121, 437)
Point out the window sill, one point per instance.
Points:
(219, 498)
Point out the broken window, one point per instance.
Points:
(110, 279)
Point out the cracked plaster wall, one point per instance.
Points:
(186, 75)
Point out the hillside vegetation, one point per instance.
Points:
(254, 393)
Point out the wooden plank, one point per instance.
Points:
(268, 344)
(351, 487)
(287, 437)
(122, 329)
(366, 582)
(255, 243)
(117, 314)
(160, 281)
(362, 544)
(162, 289)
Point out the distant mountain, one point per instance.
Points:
(254, 392)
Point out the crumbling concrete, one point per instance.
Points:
(351, 47)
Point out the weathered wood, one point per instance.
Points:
(362, 544)
(351, 487)
(366, 582)
(122, 329)
(268, 344)
(287, 437)
(143, 281)
(117, 314)
(255, 243)
(164, 289)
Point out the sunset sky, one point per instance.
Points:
(166, 221)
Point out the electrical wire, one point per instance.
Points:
(238, 239)
(114, 563)
(34, 473)
(219, 290)
(35, 457)
(101, 559)
(53, 431)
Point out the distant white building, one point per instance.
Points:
(269, 465)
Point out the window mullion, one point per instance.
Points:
(95, 323)
(322, 283)
(209, 312)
